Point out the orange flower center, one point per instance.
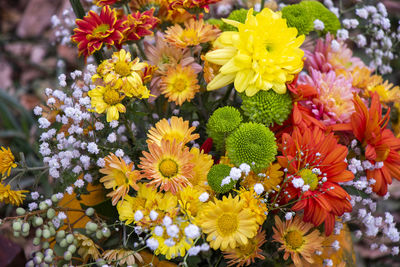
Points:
(111, 97)
(102, 28)
(309, 178)
(120, 178)
(168, 168)
(122, 68)
(227, 224)
(294, 239)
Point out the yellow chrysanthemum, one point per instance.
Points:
(269, 178)
(121, 256)
(174, 129)
(119, 177)
(387, 93)
(123, 73)
(195, 32)
(227, 223)
(188, 199)
(245, 255)
(107, 99)
(264, 54)
(146, 200)
(9, 196)
(297, 239)
(6, 161)
(167, 166)
(179, 84)
(202, 165)
(172, 247)
(87, 248)
(254, 204)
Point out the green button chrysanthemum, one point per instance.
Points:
(267, 107)
(215, 176)
(303, 15)
(251, 143)
(222, 122)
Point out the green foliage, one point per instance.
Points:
(267, 107)
(215, 176)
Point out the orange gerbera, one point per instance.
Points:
(194, 33)
(319, 161)
(140, 24)
(173, 129)
(119, 177)
(167, 166)
(380, 144)
(94, 30)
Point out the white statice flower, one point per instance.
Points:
(59, 195)
(32, 206)
(79, 183)
(204, 197)
(119, 153)
(138, 215)
(101, 162)
(34, 195)
(193, 251)
(258, 188)
(362, 13)
(335, 245)
(195, 123)
(361, 41)
(114, 124)
(342, 34)
(328, 262)
(192, 231)
(43, 123)
(395, 251)
(92, 148)
(226, 180)
(37, 111)
(112, 137)
(318, 25)
(153, 215)
(69, 190)
(169, 242)
(205, 247)
(288, 216)
(158, 230)
(245, 168)
(235, 173)
(297, 182)
(305, 188)
(99, 126)
(62, 216)
(335, 46)
(152, 243)
(173, 230)
(167, 221)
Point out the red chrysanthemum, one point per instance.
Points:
(380, 144)
(188, 4)
(140, 24)
(105, 2)
(94, 30)
(316, 158)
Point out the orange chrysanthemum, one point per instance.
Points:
(194, 33)
(174, 129)
(95, 30)
(6, 161)
(319, 161)
(177, 4)
(244, 255)
(102, 3)
(297, 239)
(380, 144)
(167, 166)
(180, 84)
(119, 177)
(140, 24)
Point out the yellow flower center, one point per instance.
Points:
(179, 84)
(111, 97)
(168, 168)
(170, 136)
(309, 178)
(249, 248)
(120, 178)
(190, 37)
(102, 28)
(122, 68)
(294, 239)
(227, 224)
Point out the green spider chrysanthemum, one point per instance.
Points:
(215, 176)
(303, 15)
(267, 107)
(251, 143)
(221, 123)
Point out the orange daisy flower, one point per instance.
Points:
(94, 30)
(180, 84)
(140, 24)
(244, 255)
(380, 144)
(167, 166)
(119, 177)
(194, 33)
(297, 239)
(174, 129)
(319, 161)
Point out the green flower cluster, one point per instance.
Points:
(215, 176)
(267, 107)
(303, 15)
(236, 15)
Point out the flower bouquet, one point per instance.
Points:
(200, 133)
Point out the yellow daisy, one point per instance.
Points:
(179, 84)
(263, 54)
(269, 178)
(227, 223)
(6, 161)
(188, 199)
(245, 255)
(195, 32)
(174, 129)
(297, 239)
(119, 177)
(107, 99)
(202, 165)
(167, 166)
(9, 196)
(253, 203)
(124, 73)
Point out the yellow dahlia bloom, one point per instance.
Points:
(188, 199)
(9, 196)
(263, 54)
(227, 223)
(202, 165)
(180, 84)
(298, 239)
(122, 72)
(6, 161)
(174, 129)
(119, 177)
(107, 99)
